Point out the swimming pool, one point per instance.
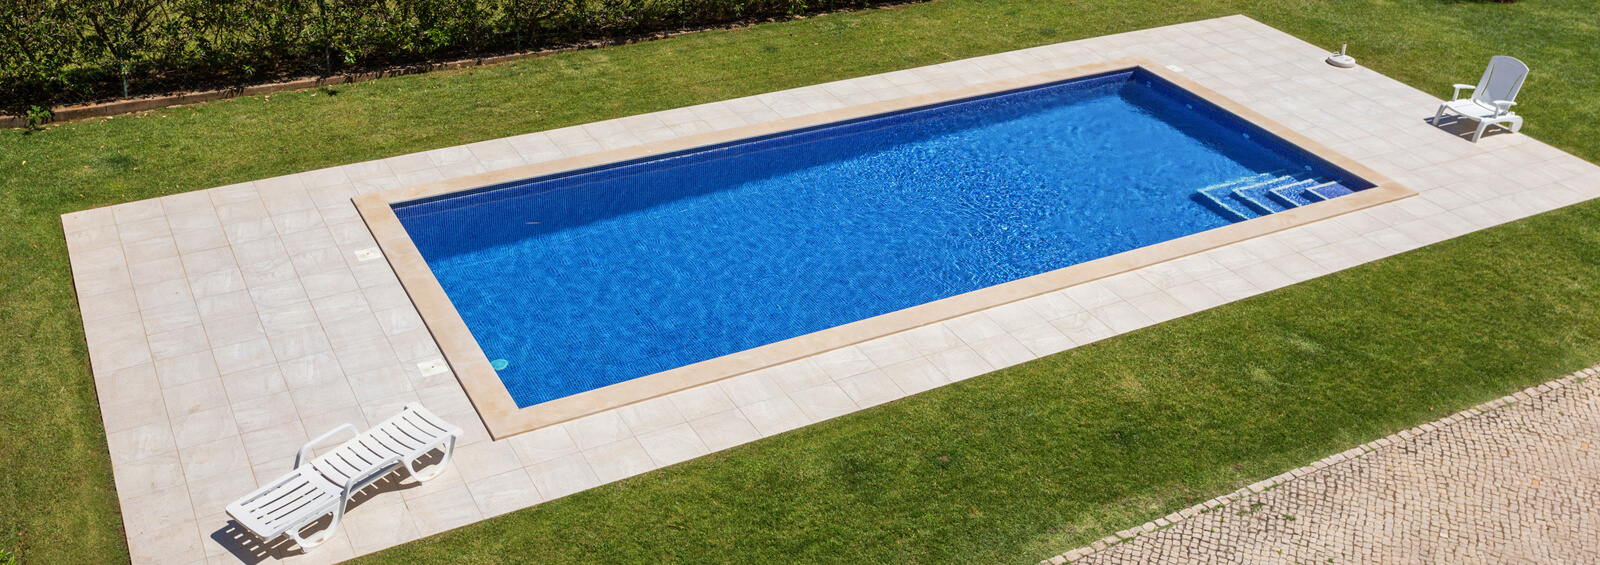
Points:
(585, 279)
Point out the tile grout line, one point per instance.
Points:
(1581, 377)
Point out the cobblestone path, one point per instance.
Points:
(1514, 481)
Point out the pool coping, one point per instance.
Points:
(503, 418)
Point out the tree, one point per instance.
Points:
(42, 42)
(121, 27)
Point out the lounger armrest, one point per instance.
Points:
(449, 428)
(1504, 107)
(1459, 88)
(305, 450)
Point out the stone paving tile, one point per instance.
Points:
(246, 303)
(1512, 481)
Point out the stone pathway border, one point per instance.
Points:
(1392, 442)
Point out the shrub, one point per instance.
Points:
(69, 51)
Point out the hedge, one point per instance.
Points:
(56, 52)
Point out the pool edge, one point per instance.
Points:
(503, 418)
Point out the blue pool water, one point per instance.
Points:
(595, 277)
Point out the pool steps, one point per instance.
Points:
(1266, 193)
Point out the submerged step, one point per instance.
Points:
(1293, 196)
(1219, 199)
(1329, 191)
(1228, 210)
(1267, 193)
(1302, 193)
(1255, 196)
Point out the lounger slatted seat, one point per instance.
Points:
(325, 485)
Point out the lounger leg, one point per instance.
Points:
(307, 544)
(449, 451)
(1516, 124)
(1482, 125)
(327, 534)
(1438, 115)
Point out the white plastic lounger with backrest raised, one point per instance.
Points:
(324, 485)
(1492, 99)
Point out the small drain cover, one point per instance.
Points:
(1174, 68)
(368, 254)
(433, 367)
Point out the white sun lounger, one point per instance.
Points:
(325, 484)
(1492, 99)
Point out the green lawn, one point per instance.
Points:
(1010, 467)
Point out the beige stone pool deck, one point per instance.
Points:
(227, 326)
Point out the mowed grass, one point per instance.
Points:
(1010, 467)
